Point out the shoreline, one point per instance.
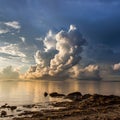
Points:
(79, 107)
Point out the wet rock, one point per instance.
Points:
(86, 96)
(13, 107)
(3, 113)
(25, 113)
(91, 107)
(37, 115)
(4, 106)
(55, 94)
(45, 94)
(29, 106)
(102, 100)
(76, 96)
(18, 110)
(9, 107)
(10, 116)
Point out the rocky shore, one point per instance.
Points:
(80, 107)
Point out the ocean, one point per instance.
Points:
(20, 92)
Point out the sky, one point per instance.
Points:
(60, 38)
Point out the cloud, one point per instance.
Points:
(99, 22)
(3, 31)
(11, 49)
(22, 39)
(69, 44)
(50, 41)
(116, 66)
(13, 24)
(90, 72)
(107, 72)
(61, 52)
(9, 73)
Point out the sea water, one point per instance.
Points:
(20, 92)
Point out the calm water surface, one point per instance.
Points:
(18, 92)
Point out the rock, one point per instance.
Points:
(104, 99)
(55, 94)
(3, 113)
(13, 107)
(32, 113)
(45, 94)
(18, 110)
(9, 107)
(4, 106)
(25, 113)
(95, 107)
(76, 96)
(86, 96)
(29, 106)
(37, 115)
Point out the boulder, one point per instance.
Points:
(76, 96)
(55, 94)
(45, 94)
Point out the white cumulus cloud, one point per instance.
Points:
(90, 72)
(61, 52)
